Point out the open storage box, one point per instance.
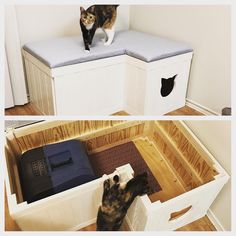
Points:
(189, 175)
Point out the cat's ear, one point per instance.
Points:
(92, 9)
(174, 76)
(162, 81)
(82, 10)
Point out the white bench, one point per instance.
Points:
(65, 80)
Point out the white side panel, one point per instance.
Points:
(68, 210)
(62, 212)
(91, 92)
(156, 104)
(137, 214)
(200, 199)
(134, 90)
(40, 88)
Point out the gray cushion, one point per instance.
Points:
(70, 50)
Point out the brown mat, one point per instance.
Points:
(107, 161)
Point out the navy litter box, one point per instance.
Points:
(53, 168)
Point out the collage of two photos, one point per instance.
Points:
(117, 118)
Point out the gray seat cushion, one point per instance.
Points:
(70, 50)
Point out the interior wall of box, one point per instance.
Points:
(191, 168)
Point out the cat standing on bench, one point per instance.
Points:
(98, 16)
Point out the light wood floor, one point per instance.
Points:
(24, 110)
(28, 109)
(171, 187)
(203, 224)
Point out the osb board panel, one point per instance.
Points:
(202, 168)
(69, 130)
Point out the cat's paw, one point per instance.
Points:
(104, 40)
(106, 184)
(105, 176)
(116, 178)
(87, 51)
(107, 43)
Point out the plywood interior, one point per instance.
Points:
(192, 167)
(171, 155)
(170, 184)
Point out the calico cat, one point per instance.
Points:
(167, 85)
(116, 201)
(98, 16)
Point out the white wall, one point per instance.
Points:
(207, 29)
(38, 22)
(216, 136)
(14, 59)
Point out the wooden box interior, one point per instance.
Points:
(176, 159)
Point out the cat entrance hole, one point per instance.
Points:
(167, 85)
(178, 214)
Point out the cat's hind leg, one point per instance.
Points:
(105, 36)
(110, 35)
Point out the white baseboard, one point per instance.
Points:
(214, 220)
(198, 107)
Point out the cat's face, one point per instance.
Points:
(87, 17)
